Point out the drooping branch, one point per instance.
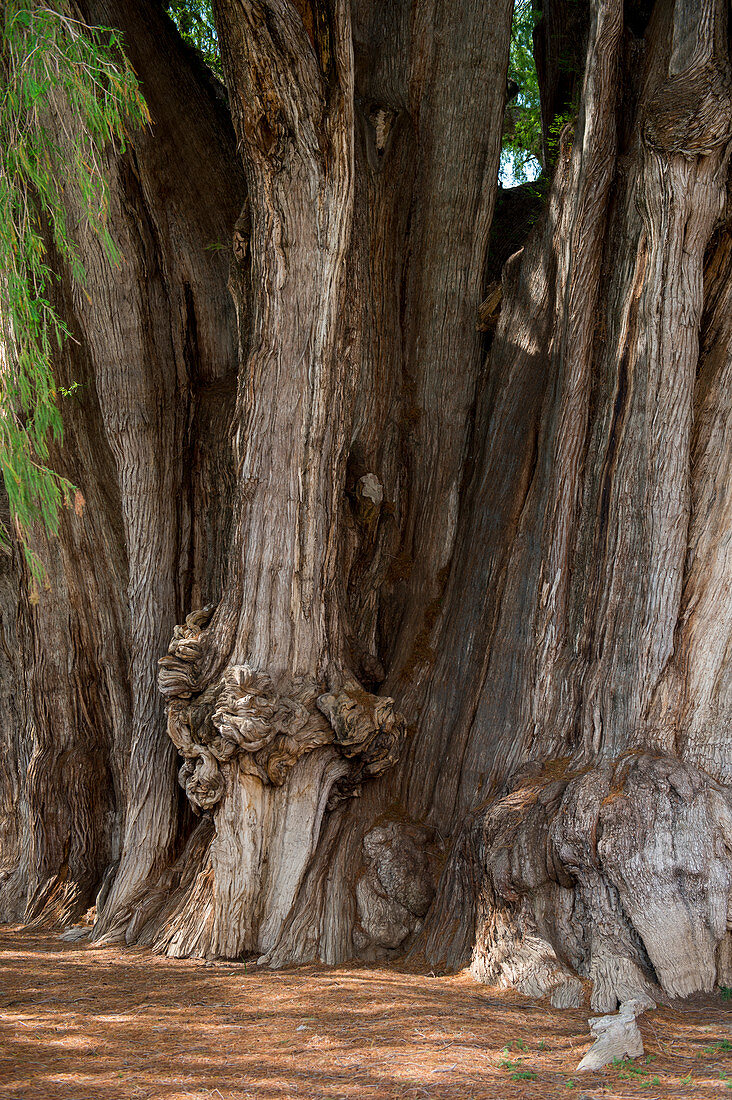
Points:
(150, 337)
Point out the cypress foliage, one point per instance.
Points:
(52, 67)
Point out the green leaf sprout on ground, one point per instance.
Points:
(724, 1045)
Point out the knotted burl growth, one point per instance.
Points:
(246, 719)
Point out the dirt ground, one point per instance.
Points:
(85, 1023)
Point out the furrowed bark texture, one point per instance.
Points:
(285, 670)
(452, 669)
(621, 836)
(431, 84)
(154, 355)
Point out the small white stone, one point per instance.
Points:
(617, 1036)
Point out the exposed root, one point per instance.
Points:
(619, 874)
(511, 953)
(396, 888)
(266, 759)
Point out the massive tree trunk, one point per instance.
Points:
(603, 848)
(154, 357)
(454, 668)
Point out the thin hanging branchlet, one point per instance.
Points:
(67, 92)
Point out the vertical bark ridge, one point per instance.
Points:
(458, 130)
(673, 200)
(693, 696)
(300, 198)
(613, 861)
(72, 711)
(280, 628)
(429, 131)
(172, 250)
(15, 823)
(100, 782)
(533, 434)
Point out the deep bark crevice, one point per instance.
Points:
(441, 514)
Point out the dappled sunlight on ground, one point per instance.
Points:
(86, 1023)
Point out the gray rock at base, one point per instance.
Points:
(616, 1036)
(76, 932)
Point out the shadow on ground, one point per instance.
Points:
(86, 1023)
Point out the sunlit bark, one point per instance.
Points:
(453, 669)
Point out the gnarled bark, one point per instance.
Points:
(453, 669)
(602, 591)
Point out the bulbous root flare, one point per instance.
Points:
(619, 874)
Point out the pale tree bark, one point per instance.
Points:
(262, 735)
(453, 675)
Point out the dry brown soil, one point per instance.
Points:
(86, 1023)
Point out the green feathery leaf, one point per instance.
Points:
(66, 92)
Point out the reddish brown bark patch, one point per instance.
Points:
(87, 1023)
